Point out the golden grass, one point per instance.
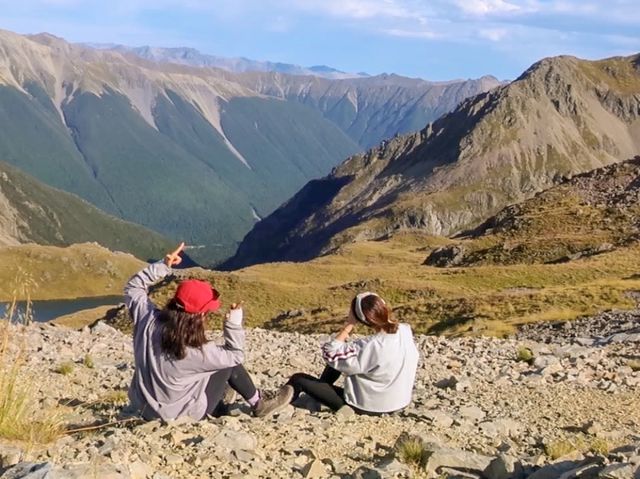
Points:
(488, 300)
(116, 397)
(65, 368)
(412, 451)
(524, 354)
(76, 271)
(634, 364)
(88, 362)
(564, 446)
(21, 418)
(561, 447)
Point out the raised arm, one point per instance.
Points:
(136, 291)
(351, 357)
(232, 352)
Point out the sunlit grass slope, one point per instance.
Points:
(314, 296)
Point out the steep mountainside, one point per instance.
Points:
(371, 109)
(190, 152)
(589, 214)
(31, 212)
(563, 116)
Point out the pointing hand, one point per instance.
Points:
(174, 258)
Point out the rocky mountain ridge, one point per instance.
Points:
(193, 57)
(562, 117)
(481, 409)
(374, 108)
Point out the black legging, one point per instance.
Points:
(323, 389)
(237, 377)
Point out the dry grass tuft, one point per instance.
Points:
(117, 397)
(88, 361)
(65, 368)
(412, 451)
(21, 418)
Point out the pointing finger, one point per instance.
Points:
(178, 249)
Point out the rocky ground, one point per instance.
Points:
(557, 401)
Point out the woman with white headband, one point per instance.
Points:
(379, 370)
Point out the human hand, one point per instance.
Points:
(351, 319)
(237, 305)
(174, 258)
(235, 314)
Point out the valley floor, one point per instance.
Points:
(578, 396)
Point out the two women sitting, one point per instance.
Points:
(179, 373)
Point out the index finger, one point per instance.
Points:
(178, 249)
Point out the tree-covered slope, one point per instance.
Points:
(31, 212)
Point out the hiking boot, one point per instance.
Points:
(269, 405)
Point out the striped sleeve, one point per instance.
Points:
(348, 358)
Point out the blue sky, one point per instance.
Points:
(432, 39)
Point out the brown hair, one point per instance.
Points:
(377, 313)
(180, 330)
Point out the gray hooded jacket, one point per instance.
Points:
(169, 388)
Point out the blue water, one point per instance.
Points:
(43, 311)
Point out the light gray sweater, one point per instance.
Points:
(380, 370)
(169, 388)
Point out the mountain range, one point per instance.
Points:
(561, 117)
(193, 57)
(194, 153)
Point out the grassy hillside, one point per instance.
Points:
(541, 260)
(50, 272)
(35, 213)
(180, 150)
(488, 300)
(182, 180)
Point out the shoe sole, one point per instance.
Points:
(279, 406)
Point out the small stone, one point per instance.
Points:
(439, 419)
(345, 412)
(140, 470)
(173, 459)
(314, 469)
(619, 471)
(504, 467)
(472, 412)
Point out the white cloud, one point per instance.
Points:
(486, 7)
(398, 32)
(357, 9)
(493, 34)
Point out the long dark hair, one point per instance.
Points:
(377, 314)
(180, 330)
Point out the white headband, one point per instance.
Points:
(358, 307)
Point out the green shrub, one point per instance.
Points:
(524, 354)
